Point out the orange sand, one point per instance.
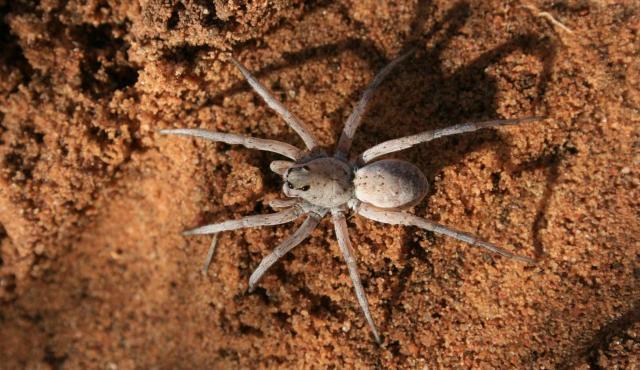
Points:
(95, 274)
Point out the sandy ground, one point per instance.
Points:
(94, 272)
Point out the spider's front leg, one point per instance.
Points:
(277, 204)
(274, 146)
(270, 219)
(287, 245)
(403, 218)
(282, 217)
(292, 120)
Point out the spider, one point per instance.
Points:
(317, 184)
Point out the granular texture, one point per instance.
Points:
(94, 271)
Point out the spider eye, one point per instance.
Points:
(289, 185)
(305, 188)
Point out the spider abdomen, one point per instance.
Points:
(390, 183)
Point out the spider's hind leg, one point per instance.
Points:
(402, 143)
(403, 218)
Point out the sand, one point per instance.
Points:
(94, 271)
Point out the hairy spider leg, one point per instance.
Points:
(402, 143)
(270, 219)
(294, 122)
(283, 203)
(350, 127)
(403, 218)
(285, 246)
(212, 250)
(275, 146)
(342, 234)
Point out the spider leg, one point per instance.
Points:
(275, 146)
(270, 219)
(402, 143)
(294, 122)
(280, 167)
(283, 203)
(288, 244)
(350, 127)
(403, 218)
(212, 250)
(344, 243)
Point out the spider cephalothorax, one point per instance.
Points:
(324, 182)
(316, 184)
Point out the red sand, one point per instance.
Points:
(95, 274)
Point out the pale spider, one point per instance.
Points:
(317, 183)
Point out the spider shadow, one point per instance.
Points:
(364, 49)
(551, 162)
(602, 339)
(436, 107)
